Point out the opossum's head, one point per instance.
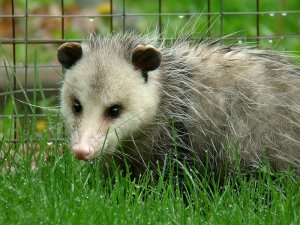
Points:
(109, 93)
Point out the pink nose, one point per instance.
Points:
(82, 152)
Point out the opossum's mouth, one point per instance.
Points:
(82, 157)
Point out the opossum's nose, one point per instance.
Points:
(82, 151)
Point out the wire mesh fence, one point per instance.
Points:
(31, 31)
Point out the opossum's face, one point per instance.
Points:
(106, 98)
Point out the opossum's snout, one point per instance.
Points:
(87, 146)
(83, 151)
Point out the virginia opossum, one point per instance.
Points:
(207, 104)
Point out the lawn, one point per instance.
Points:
(61, 190)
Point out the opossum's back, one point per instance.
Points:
(249, 100)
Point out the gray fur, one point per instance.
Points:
(222, 100)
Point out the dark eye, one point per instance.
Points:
(76, 107)
(114, 111)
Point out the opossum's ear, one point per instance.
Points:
(146, 58)
(68, 54)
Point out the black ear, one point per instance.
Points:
(68, 54)
(146, 58)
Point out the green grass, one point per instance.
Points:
(60, 190)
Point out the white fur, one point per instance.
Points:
(118, 82)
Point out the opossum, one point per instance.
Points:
(128, 97)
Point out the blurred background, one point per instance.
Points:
(31, 31)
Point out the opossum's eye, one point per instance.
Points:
(114, 111)
(76, 107)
